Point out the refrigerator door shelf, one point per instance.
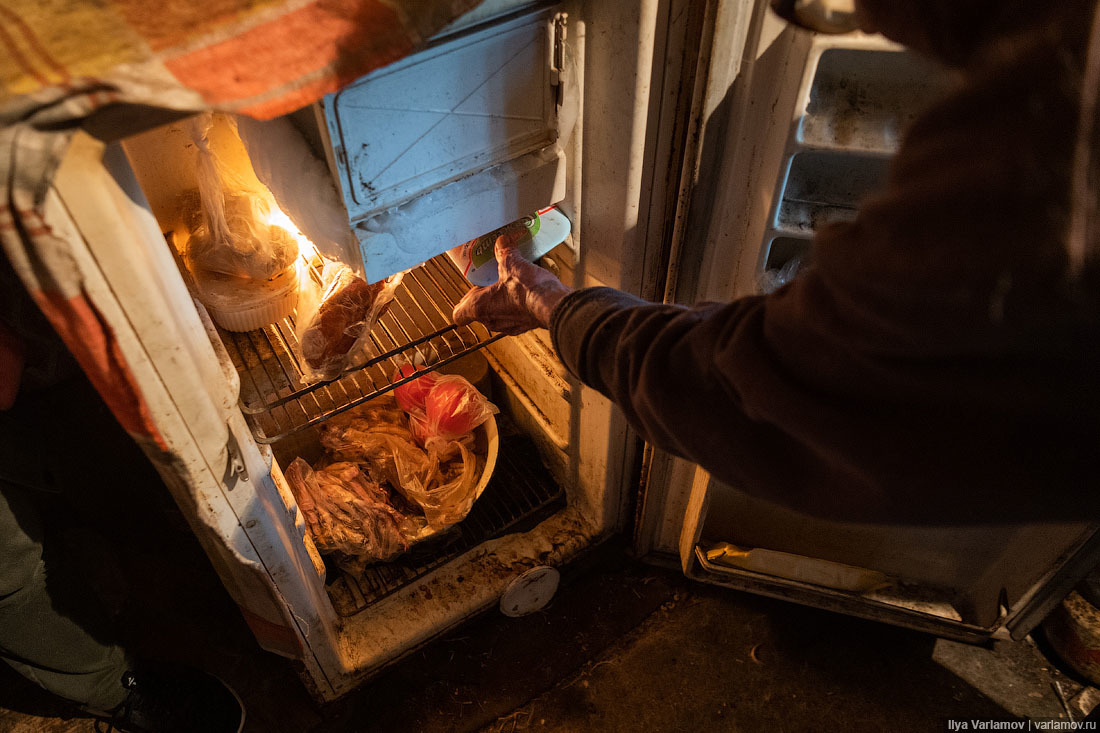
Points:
(862, 98)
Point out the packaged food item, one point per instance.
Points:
(440, 476)
(348, 514)
(440, 481)
(411, 395)
(231, 232)
(440, 406)
(244, 267)
(376, 491)
(335, 318)
(541, 232)
(234, 240)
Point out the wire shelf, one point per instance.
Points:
(520, 493)
(416, 328)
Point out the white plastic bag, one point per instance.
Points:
(231, 233)
(772, 280)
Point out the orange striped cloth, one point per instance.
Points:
(256, 57)
(67, 63)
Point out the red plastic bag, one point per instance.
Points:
(454, 407)
(411, 395)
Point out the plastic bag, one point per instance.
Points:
(231, 233)
(348, 514)
(772, 280)
(448, 498)
(335, 318)
(411, 395)
(441, 479)
(453, 408)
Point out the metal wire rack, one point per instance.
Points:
(521, 492)
(417, 328)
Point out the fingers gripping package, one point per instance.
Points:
(381, 486)
(336, 313)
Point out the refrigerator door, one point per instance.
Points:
(795, 128)
(234, 499)
(453, 142)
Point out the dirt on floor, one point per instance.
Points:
(624, 646)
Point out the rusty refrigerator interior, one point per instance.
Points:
(630, 118)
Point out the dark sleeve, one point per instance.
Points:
(738, 388)
(957, 32)
(659, 363)
(930, 367)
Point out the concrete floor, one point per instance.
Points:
(623, 647)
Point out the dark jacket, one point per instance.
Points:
(934, 365)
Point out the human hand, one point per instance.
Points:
(522, 299)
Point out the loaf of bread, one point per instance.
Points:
(341, 317)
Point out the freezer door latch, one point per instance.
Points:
(235, 466)
(557, 62)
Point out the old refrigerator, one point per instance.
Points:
(693, 145)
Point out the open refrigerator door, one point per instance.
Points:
(809, 124)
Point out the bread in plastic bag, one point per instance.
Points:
(230, 229)
(335, 318)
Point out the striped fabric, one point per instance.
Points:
(68, 63)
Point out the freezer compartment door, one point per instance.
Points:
(453, 142)
(403, 237)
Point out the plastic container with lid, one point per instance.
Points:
(243, 304)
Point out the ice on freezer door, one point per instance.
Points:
(450, 143)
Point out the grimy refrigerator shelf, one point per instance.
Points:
(416, 328)
(520, 494)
